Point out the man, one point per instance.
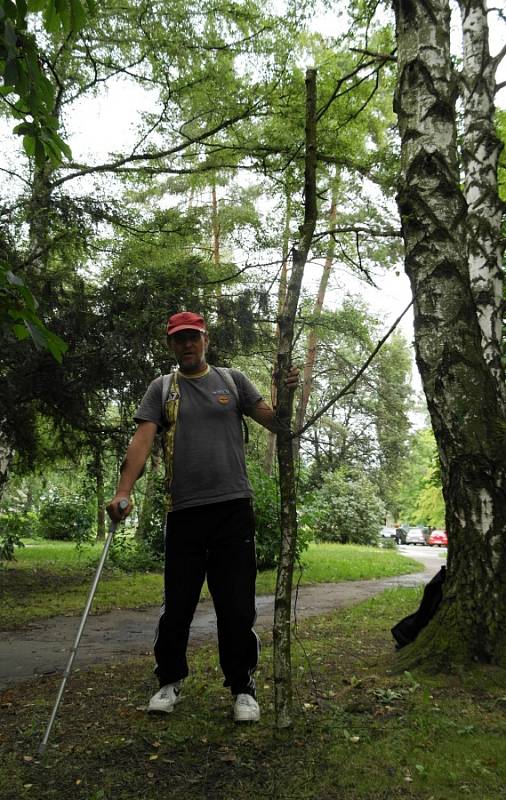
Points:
(210, 529)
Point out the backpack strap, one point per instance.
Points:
(167, 381)
(229, 379)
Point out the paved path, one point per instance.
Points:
(43, 647)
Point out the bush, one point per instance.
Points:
(68, 518)
(131, 555)
(266, 505)
(346, 509)
(9, 537)
(13, 526)
(145, 550)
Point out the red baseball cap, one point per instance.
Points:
(185, 320)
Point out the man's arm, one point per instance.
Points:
(264, 414)
(135, 459)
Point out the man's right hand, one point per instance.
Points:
(113, 509)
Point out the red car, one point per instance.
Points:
(438, 538)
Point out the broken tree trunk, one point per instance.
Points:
(283, 600)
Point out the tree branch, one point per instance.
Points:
(355, 378)
(114, 165)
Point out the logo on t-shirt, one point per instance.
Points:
(222, 396)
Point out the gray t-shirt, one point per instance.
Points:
(208, 454)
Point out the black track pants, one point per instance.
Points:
(216, 541)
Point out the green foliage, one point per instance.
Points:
(145, 550)
(266, 505)
(22, 74)
(346, 509)
(18, 313)
(420, 498)
(65, 518)
(12, 528)
(135, 555)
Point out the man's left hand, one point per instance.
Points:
(292, 378)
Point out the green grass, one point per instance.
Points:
(361, 731)
(50, 578)
(331, 563)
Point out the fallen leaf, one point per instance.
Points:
(228, 758)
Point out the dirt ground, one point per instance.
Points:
(43, 648)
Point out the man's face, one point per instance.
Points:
(190, 347)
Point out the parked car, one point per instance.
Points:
(438, 538)
(388, 533)
(415, 536)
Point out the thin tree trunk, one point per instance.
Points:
(6, 454)
(283, 282)
(312, 339)
(99, 479)
(480, 155)
(461, 392)
(215, 222)
(283, 600)
(149, 494)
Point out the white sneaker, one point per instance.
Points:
(163, 701)
(246, 709)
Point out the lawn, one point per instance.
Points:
(50, 578)
(361, 731)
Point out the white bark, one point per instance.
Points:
(6, 454)
(480, 155)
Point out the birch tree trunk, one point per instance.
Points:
(283, 600)
(480, 156)
(460, 388)
(6, 454)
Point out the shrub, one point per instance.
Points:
(266, 505)
(150, 530)
(132, 555)
(346, 509)
(68, 518)
(13, 526)
(143, 551)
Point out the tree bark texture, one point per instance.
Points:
(287, 483)
(6, 453)
(481, 149)
(461, 392)
(283, 282)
